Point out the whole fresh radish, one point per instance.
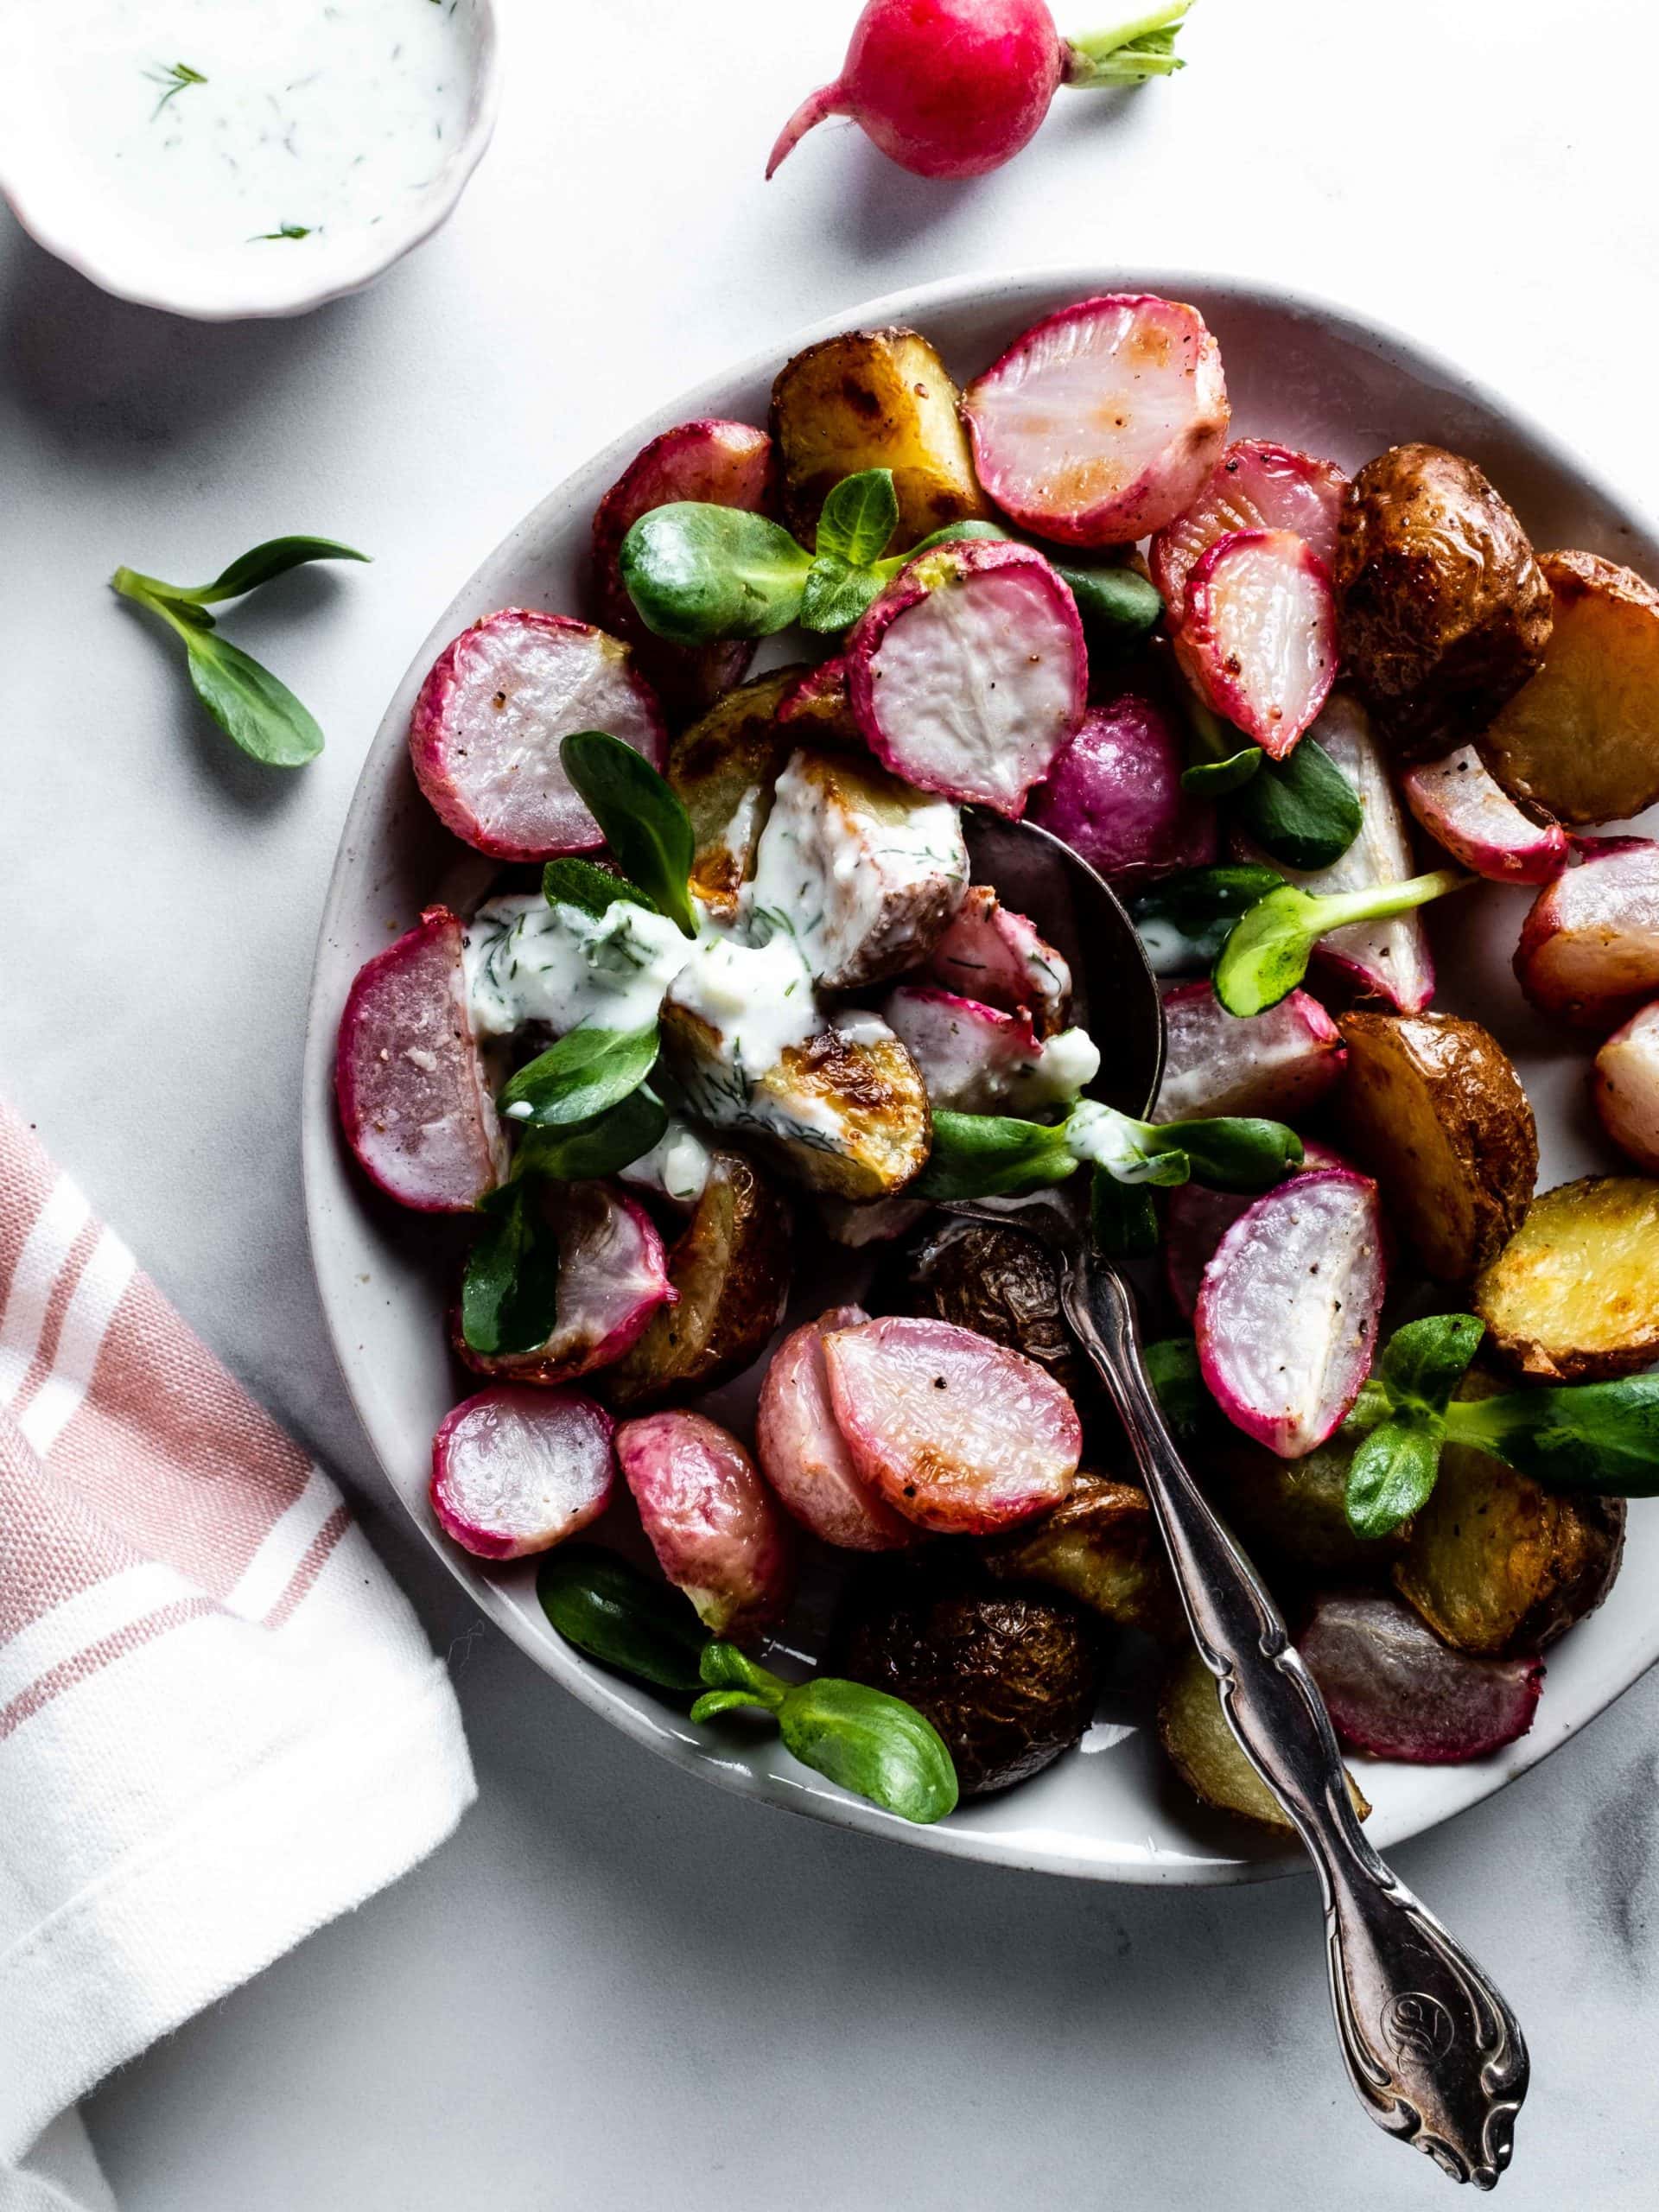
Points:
(952, 88)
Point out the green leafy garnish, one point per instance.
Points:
(1405, 1408)
(583, 1075)
(836, 594)
(1122, 1217)
(1267, 950)
(1177, 1379)
(283, 231)
(642, 817)
(251, 706)
(583, 1152)
(696, 572)
(1118, 606)
(622, 1618)
(592, 889)
(993, 1156)
(510, 1289)
(1592, 1436)
(1302, 811)
(1220, 778)
(1184, 921)
(859, 518)
(174, 78)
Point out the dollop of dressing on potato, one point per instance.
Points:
(527, 960)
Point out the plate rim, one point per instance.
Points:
(595, 1689)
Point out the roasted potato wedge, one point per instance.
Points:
(845, 1114)
(1581, 738)
(1444, 611)
(736, 748)
(1102, 1547)
(1495, 1563)
(873, 399)
(1205, 1753)
(1431, 1105)
(1291, 1514)
(1573, 1296)
(730, 1269)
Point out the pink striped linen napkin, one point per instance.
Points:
(220, 1724)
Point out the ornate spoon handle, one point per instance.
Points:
(1433, 2051)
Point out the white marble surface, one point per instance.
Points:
(615, 1986)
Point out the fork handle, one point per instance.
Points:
(1434, 2052)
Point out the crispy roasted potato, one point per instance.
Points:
(1102, 1547)
(734, 749)
(731, 1270)
(1573, 1296)
(1291, 1514)
(1495, 1563)
(1581, 738)
(873, 399)
(846, 1115)
(1205, 1753)
(1432, 1106)
(1445, 613)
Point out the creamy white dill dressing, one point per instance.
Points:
(238, 127)
(677, 1167)
(525, 961)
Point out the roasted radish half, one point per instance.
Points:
(516, 1471)
(975, 1060)
(1256, 486)
(415, 1100)
(486, 729)
(716, 1529)
(1394, 1689)
(1196, 1220)
(1103, 421)
(1463, 807)
(956, 1434)
(969, 676)
(1286, 1315)
(1258, 635)
(612, 1277)
(997, 957)
(804, 1455)
(1627, 1088)
(717, 464)
(1281, 1062)
(1115, 794)
(1589, 949)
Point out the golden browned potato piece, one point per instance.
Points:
(1444, 612)
(1205, 1753)
(735, 749)
(1102, 1547)
(1291, 1514)
(1432, 1106)
(873, 399)
(1573, 1296)
(730, 1267)
(1581, 740)
(1496, 1563)
(846, 1115)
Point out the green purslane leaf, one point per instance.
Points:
(1184, 921)
(1392, 1474)
(593, 889)
(581, 1076)
(696, 573)
(836, 594)
(1239, 1152)
(993, 1156)
(585, 1151)
(1302, 811)
(859, 518)
(510, 1289)
(727, 1669)
(1219, 779)
(262, 563)
(622, 1618)
(642, 817)
(1118, 606)
(1592, 1436)
(1122, 1217)
(1425, 1362)
(1177, 1379)
(875, 1746)
(1268, 949)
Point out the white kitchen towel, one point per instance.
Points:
(220, 1724)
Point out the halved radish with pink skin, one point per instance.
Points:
(1589, 949)
(996, 956)
(1464, 807)
(1100, 422)
(612, 1277)
(486, 727)
(1196, 1220)
(718, 1533)
(415, 1102)
(1258, 636)
(975, 1060)
(956, 1433)
(1394, 1689)
(804, 1456)
(1279, 1063)
(1390, 957)
(1286, 1315)
(516, 1472)
(969, 676)
(1115, 794)
(1627, 1088)
(720, 465)
(1256, 486)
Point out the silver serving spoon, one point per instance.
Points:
(1435, 2054)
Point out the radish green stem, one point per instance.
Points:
(1130, 51)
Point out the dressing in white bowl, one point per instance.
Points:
(240, 158)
